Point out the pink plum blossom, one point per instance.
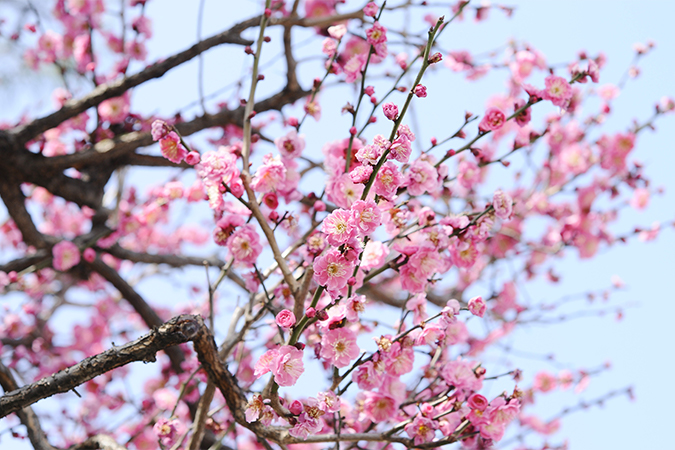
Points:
(503, 204)
(339, 347)
(477, 306)
(333, 270)
(66, 255)
(493, 119)
(244, 244)
(285, 318)
(287, 365)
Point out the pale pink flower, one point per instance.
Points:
(388, 180)
(366, 216)
(142, 25)
(66, 256)
(477, 306)
(159, 129)
(356, 304)
(254, 408)
(399, 359)
(342, 191)
(379, 407)
(422, 178)
(339, 347)
(374, 255)
(244, 244)
(265, 363)
(50, 46)
(361, 174)
(269, 175)
(418, 305)
(640, 198)
(340, 227)
(332, 270)
(460, 374)
(469, 174)
(337, 31)
(367, 376)
(319, 8)
(544, 382)
(371, 153)
(287, 365)
(557, 90)
(493, 119)
(400, 149)
(370, 9)
(285, 319)
(171, 147)
(328, 402)
(114, 110)
(291, 145)
(503, 204)
(430, 335)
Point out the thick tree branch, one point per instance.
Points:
(26, 415)
(176, 331)
(116, 88)
(146, 312)
(173, 261)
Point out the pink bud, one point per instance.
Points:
(89, 254)
(192, 158)
(319, 206)
(292, 121)
(296, 407)
(353, 131)
(310, 312)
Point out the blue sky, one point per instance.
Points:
(639, 345)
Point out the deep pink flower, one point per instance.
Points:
(89, 254)
(339, 347)
(167, 431)
(493, 119)
(171, 147)
(66, 256)
(421, 429)
(421, 91)
(525, 116)
(390, 110)
(477, 401)
(285, 319)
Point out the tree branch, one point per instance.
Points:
(176, 331)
